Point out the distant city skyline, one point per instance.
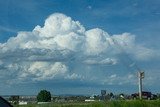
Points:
(78, 46)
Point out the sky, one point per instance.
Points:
(79, 46)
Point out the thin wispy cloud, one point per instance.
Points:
(7, 29)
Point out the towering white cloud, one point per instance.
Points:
(59, 24)
(47, 51)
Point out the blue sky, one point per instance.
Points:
(67, 46)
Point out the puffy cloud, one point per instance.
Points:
(45, 70)
(127, 44)
(125, 40)
(59, 24)
(51, 51)
(61, 33)
(96, 41)
(58, 32)
(34, 71)
(71, 41)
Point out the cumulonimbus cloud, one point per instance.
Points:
(45, 52)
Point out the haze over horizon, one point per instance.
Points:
(78, 47)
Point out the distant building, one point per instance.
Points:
(103, 94)
(14, 99)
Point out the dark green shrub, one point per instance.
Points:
(44, 96)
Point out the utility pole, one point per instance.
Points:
(140, 77)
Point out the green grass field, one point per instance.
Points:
(134, 103)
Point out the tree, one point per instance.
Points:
(44, 96)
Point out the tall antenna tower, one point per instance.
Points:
(140, 77)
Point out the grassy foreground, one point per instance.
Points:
(134, 103)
